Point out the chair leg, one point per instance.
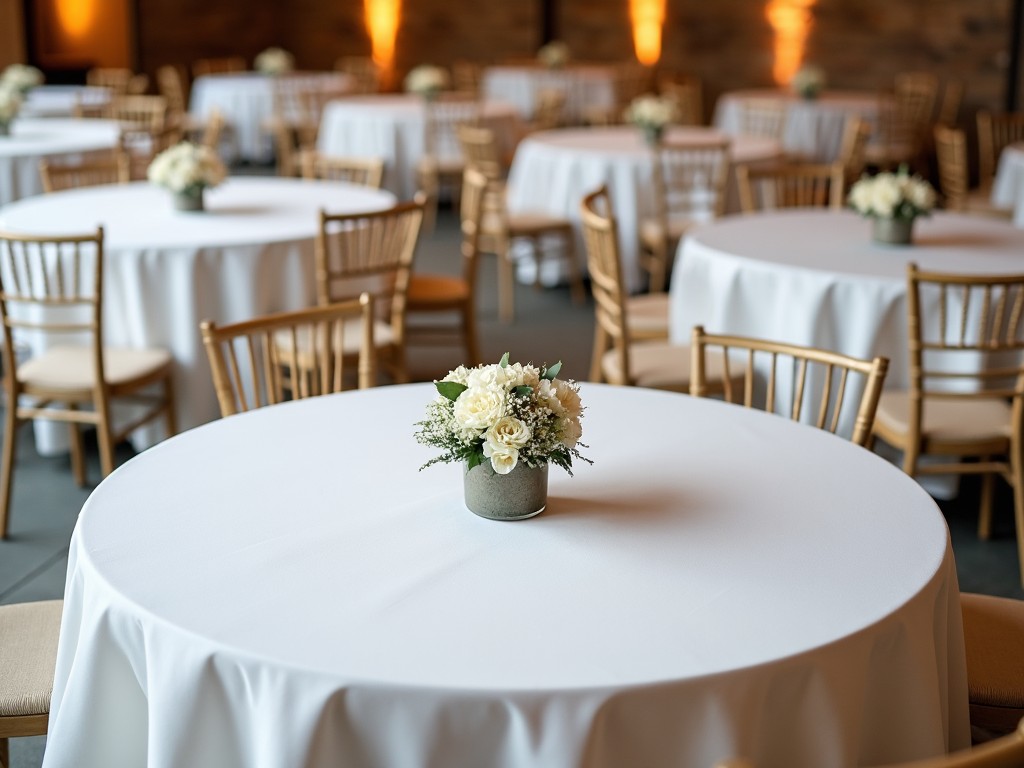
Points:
(1017, 473)
(985, 506)
(106, 445)
(538, 257)
(600, 347)
(7, 464)
(5, 756)
(170, 405)
(657, 271)
(506, 283)
(77, 452)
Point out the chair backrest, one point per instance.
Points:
(480, 149)
(916, 94)
(213, 130)
(852, 146)
(114, 78)
(475, 186)
(116, 170)
(467, 76)
(818, 380)
(790, 186)
(690, 179)
(364, 72)
(218, 65)
(949, 106)
(289, 355)
(52, 285)
(371, 252)
(966, 339)
(995, 131)
(443, 115)
(171, 85)
(763, 117)
(604, 261)
(368, 171)
(687, 95)
(951, 156)
(549, 109)
(140, 113)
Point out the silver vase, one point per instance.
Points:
(520, 494)
(893, 231)
(184, 201)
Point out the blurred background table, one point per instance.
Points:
(650, 616)
(1008, 186)
(61, 100)
(586, 87)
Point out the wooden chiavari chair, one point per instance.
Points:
(442, 162)
(115, 170)
(853, 148)
(790, 186)
(995, 132)
(367, 171)
(763, 117)
(954, 175)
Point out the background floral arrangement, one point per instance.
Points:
(892, 195)
(274, 61)
(808, 81)
(21, 77)
(426, 79)
(10, 102)
(650, 111)
(554, 54)
(505, 413)
(187, 169)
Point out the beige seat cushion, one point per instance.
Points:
(654, 364)
(351, 339)
(425, 290)
(994, 640)
(28, 653)
(648, 315)
(70, 368)
(528, 223)
(947, 420)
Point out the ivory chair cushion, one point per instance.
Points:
(350, 341)
(68, 369)
(946, 420)
(994, 639)
(647, 315)
(28, 654)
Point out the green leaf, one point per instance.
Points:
(474, 459)
(550, 373)
(523, 391)
(450, 389)
(504, 360)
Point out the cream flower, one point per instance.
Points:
(547, 396)
(569, 398)
(572, 431)
(503, 459)
(508, 432)
(479, 407)
(487, 376)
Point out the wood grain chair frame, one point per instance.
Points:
(687, 94)
(366, 171)
(965, 403)
(852, 148)
(372, 252)
(52, 287)
(480, 150)
(442, 162)
(817, 381)
(791, 186)
(763, 117)
(291, 355)
(115, 170)
(954, 176)
(114, 78)
(995, 132)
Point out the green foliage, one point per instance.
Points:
(450, 389)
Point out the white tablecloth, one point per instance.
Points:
(249, 254)
(1008, 187)
(392, 127)
(57, 140)
(246, 99)
(815, 277)
(553, 171)
(814, 127)
(585, 87)
(60, 100)
(283, 588)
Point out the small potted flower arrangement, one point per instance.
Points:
(892, 201)
(554, 55)
(808, 81)
(10, 103)
(22, 77)
(187, 170)
(274, 61)
(651, 114)
(505, 422)
(427, 81)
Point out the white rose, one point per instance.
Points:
(921, 195)
(569, 398)
(503, 460)
(487, 376)
(478, 408)
(459, 375)
(860, 196)
(885, 196)
(508, 432)
(572, 431)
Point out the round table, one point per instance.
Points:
(52, 139)
(553, 170)
(585, 86)
(61, 100)
(247, 100)
(249, 254)
(814, 127)
(393, 126)
(1008, 187)
(815, 277)
(259, 591)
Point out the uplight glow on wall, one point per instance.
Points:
(382, 23)
(647, 18)
(791, 21)
(76, 16)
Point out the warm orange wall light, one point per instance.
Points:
(791, 20)
(382, 23)
(647, 17)
(76, 16)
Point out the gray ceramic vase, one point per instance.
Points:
(893, 231)
(187, 202)
(520, 494)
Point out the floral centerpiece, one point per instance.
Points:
(187, 170)
(10, 103)
(427, 80)
(808, 81)
(651, 114)
(274, 61)
(22, 77)
(506, 423)
(893, 201)
(554, 54)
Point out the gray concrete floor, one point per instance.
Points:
(548, 327)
